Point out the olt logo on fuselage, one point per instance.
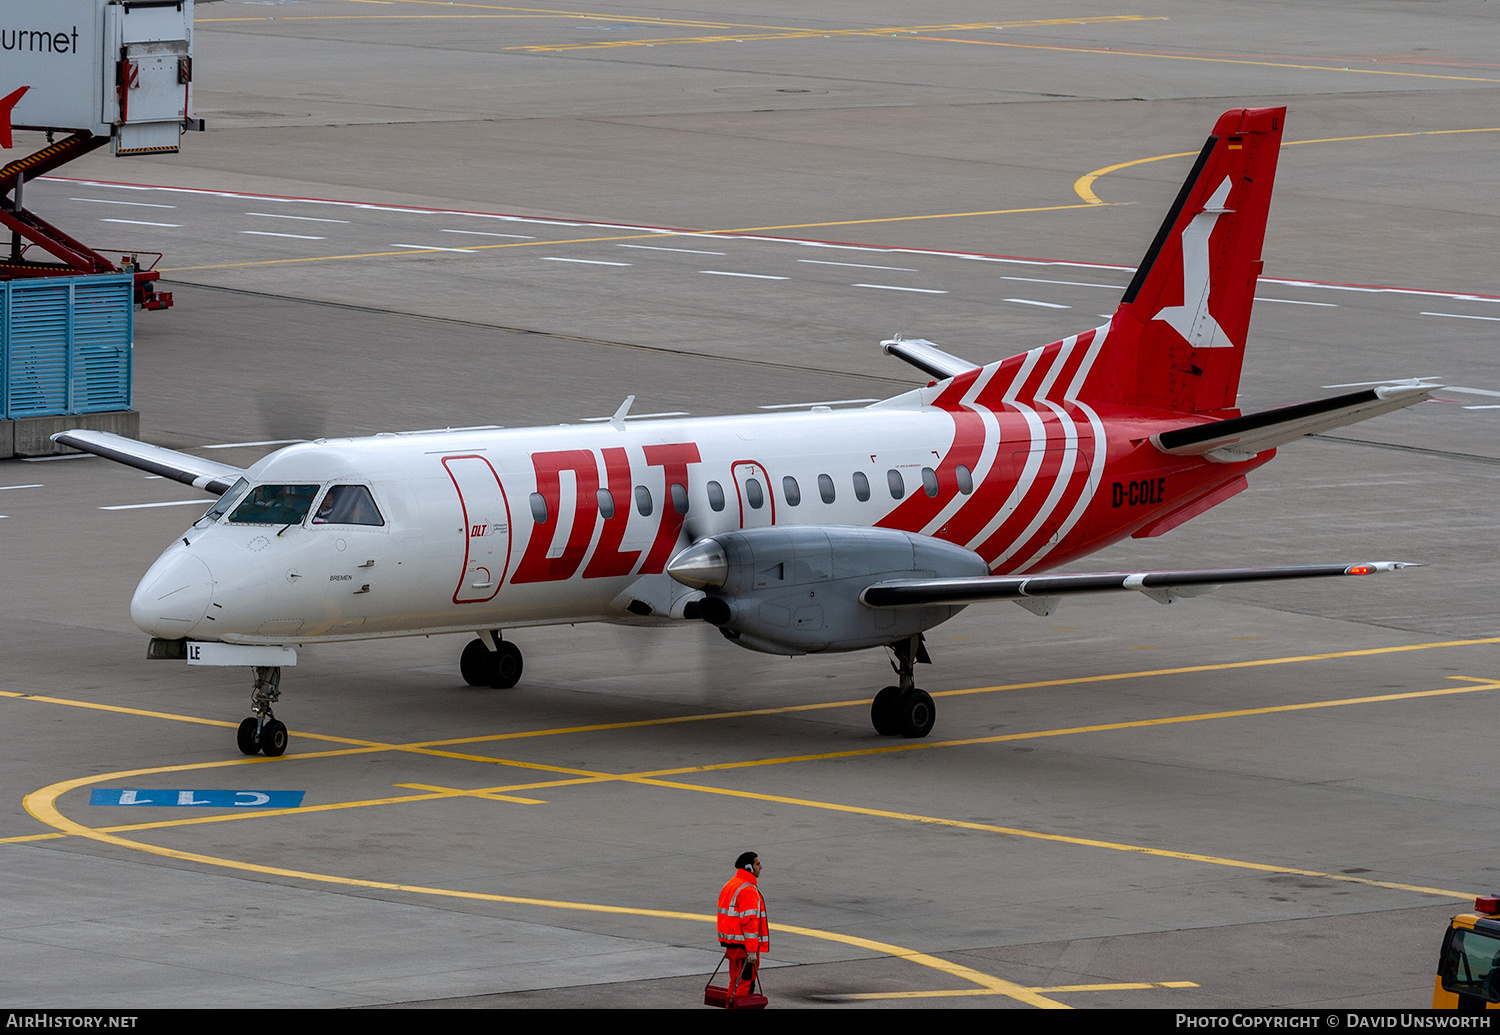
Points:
(1135, 494)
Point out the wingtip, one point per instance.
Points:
(1415, 387)
(1376, 566)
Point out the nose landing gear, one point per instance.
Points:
(261, 733)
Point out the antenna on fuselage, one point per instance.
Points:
(618, 420)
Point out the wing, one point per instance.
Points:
(1240, 438)
(927, 357)
(1041, 593)
(211, 477)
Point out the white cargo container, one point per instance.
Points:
(116, 68)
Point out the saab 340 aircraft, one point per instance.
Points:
(792, 533)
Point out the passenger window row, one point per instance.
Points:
(755, 493)
(644, 504)
(791, 491)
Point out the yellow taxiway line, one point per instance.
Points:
(1117, 986)
(664, 233)
(42, 805)
(796, 34)
(44, 799)
(1207, 58)
(1084, 185)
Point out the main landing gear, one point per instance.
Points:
(262, 733)
(904, 711)
(491, 661)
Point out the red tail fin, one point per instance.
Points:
(1177, 341)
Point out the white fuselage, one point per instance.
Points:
(503, 528)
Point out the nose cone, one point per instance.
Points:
(173, 596)
(702, 564)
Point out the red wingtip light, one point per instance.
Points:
(1358, 569)
(1487, 904)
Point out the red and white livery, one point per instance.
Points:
(793, 533)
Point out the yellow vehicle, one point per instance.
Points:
(1468, 977)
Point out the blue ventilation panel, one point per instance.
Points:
(65, 345)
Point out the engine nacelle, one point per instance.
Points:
(795, 589)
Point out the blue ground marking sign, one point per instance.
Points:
(211, 799)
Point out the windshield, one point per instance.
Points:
(274, 505)
(1471, 964)
(226, 501)
(348, 505)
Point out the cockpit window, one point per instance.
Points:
(226, 501)
(348, 505)
(275, 505)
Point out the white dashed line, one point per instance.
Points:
(1032, 301)
(132, 204)
(753, 276)
(434, 248)
(1066, 283)
(1295, 301)
(147, 506)
(655, 248)
(305, 219)
(61, 456)
(1380, 290)
(486, 233)
(861, 265)
(36, 485)
(586, 262)
(137, 222)
(1462, 316)
(893, 287)
(267, 233)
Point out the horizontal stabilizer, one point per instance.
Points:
(191, 470)
(927, 357)
(1162, 586)
(1240, 438)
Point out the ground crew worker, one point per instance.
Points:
(743, 930)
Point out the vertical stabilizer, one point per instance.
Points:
(1177, 341)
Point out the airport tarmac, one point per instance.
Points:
(1263, 797)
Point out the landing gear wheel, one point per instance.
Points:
(248, 736)
(273, 738)
(883, 712)
(261, 732)
(477, 664)
(507, 662)
(915, 713)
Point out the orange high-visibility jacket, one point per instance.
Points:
(742, 915)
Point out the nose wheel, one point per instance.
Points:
(262, 732)
(904, 711)
(491, 661)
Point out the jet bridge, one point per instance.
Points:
(88, 73)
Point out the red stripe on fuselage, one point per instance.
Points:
(608, 560)
(535, 565)
(914, 514)
(1075, 483)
